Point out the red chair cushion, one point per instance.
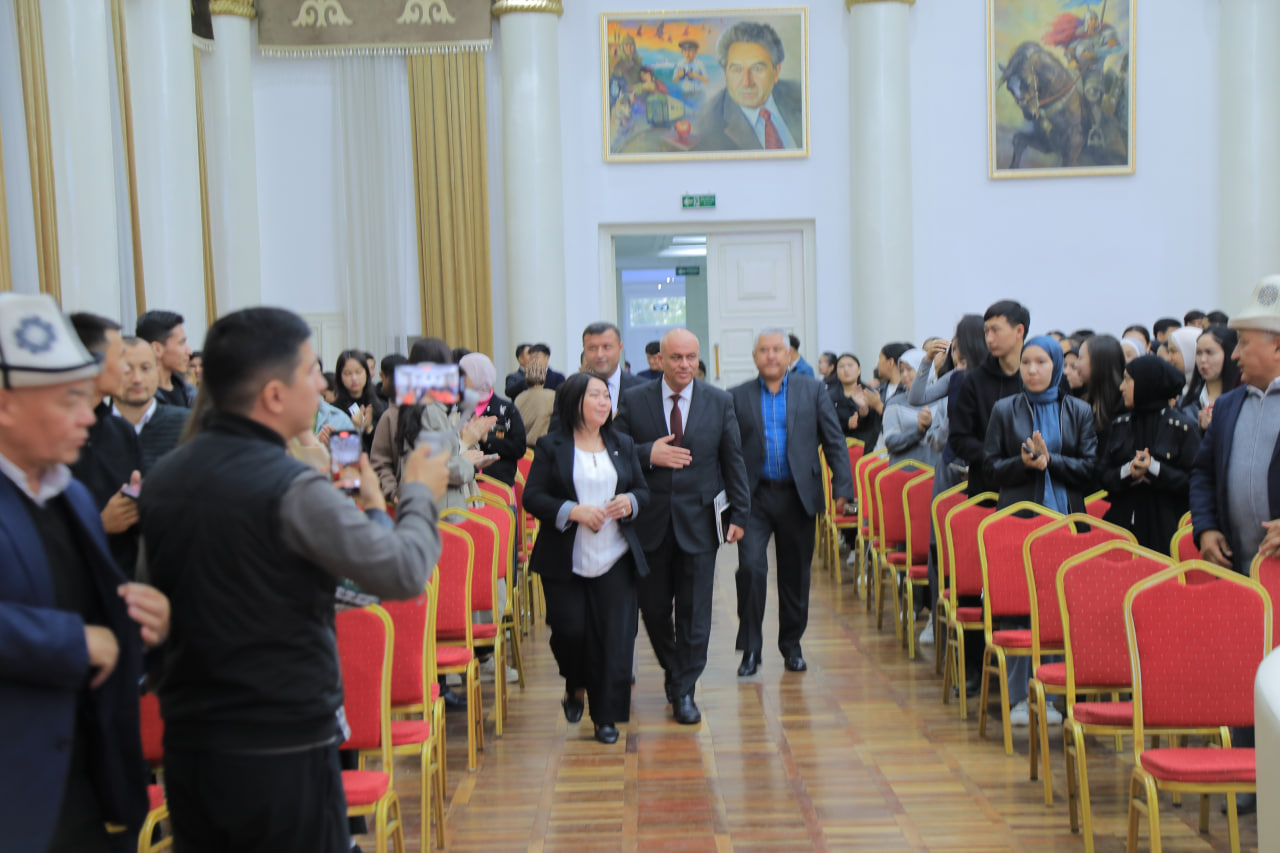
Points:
(897, 558)
(1019, 638)
(1103, 713)
(1052, 673)
(405, 732)
(448, 657)
(1191, 764)
(845, 519)
(435, 686)
(479, 631)
(946, 593)
(364, 787)
(918, 573)
(968, 614)
(155, 793)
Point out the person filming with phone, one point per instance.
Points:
(248, 544)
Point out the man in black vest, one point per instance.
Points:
(249, 544)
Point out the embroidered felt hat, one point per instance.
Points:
(38, 346)
(1262, 311)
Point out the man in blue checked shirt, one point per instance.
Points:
(785, 418)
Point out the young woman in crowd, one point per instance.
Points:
(505, 438)
(356, 394)
(1182, 351)
(910, 431)
(1101, 370)
(1216, 373)
(858, 408)
(398, 432)
(1146, 464)
(586, 486)
(535, 403)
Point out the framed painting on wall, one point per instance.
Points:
(705, 85)
(1060, 82)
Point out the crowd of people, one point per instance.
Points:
(171, 518)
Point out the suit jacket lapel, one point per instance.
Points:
(564, 463)
(792, 405)
(661, 426)
(736, 126)
(612, 445)
(17, 523)
(756, 414)
(697, 407)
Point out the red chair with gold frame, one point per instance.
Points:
(1091, 587)
(1043, 554)
(848, 521)
(501, 514)
(1004, 596)
(943, 504)
(453, 618)
(415, 691)
(864, 478)
(153, 753)
(1183, 545)
(917, 500)
(1097, 504)
(824, 525)
(893, 554)
(964, 565)
(365, 638)
(1205, 640)
(1266, 571)
(485, 578)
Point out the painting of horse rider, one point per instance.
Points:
(1060, 87)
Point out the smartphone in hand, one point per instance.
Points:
(131, 491)
(344, 455)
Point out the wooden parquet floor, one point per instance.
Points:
(858, 753)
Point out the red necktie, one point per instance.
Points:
(772, 139)
(677, 424)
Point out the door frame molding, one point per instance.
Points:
(608, 276)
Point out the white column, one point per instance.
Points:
(1248, 156)
(533, 199)
(231, 159)
(162, 88)
(880, 174)
(77, 38)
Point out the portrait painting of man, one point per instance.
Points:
(705, 85)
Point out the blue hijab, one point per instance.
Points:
(1045, 412)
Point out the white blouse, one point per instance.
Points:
(596, 481)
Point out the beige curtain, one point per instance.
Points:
(6, 272)
(39, 143)
(447, 103)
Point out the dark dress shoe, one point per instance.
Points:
(454, 702)
(795, 663)
(666, 687)
(686, 712)
(572, 708)
(750, 664)
(1245, 804)
(607, 733)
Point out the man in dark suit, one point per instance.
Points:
(686, 436)
(785, 420)
(71, 628)
(602, 355)
(515, 380)
(554, 380)
(755, 110)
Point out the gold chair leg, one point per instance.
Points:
(983, 698)
(1033, 731)
(1233, 822)
(1069, 753)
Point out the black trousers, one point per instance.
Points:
(593, 637)
(776, 512)
(675, 601)
(223, 802)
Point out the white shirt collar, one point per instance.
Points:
(146, 416)
(1254, 391)
(686, 395)
(53, 481)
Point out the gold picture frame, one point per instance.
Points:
(1060, 88)
(705, 85)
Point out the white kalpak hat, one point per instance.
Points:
(38, 346)
(1262, 311)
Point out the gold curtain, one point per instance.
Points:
(6, 272)
(35, 97)
(131, 160)
(451, 185)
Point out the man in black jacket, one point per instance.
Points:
(249, 544)
(159, 426)
(995, 377)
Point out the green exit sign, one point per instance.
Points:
(690, 201)
(688, 270)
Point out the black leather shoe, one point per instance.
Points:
(607, 733)
(454, 702)
(671, 696)
(686, 712)
(795, 663)
(750, 664)
(572, 708)
(1245, 804)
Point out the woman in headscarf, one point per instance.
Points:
(914, 432)
(1182, 351)
(1041, 446)
(1146, 465)
(505, 438)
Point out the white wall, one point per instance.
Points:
(1097, 252)
(1102, 252)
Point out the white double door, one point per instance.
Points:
(756, 281)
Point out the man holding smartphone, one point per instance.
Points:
(249, 543)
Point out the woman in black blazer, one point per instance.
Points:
(586, 487)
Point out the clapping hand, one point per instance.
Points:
(1206, 417)
(1140, 465)
(476, 429)
(1034, 453)
(924, 419)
